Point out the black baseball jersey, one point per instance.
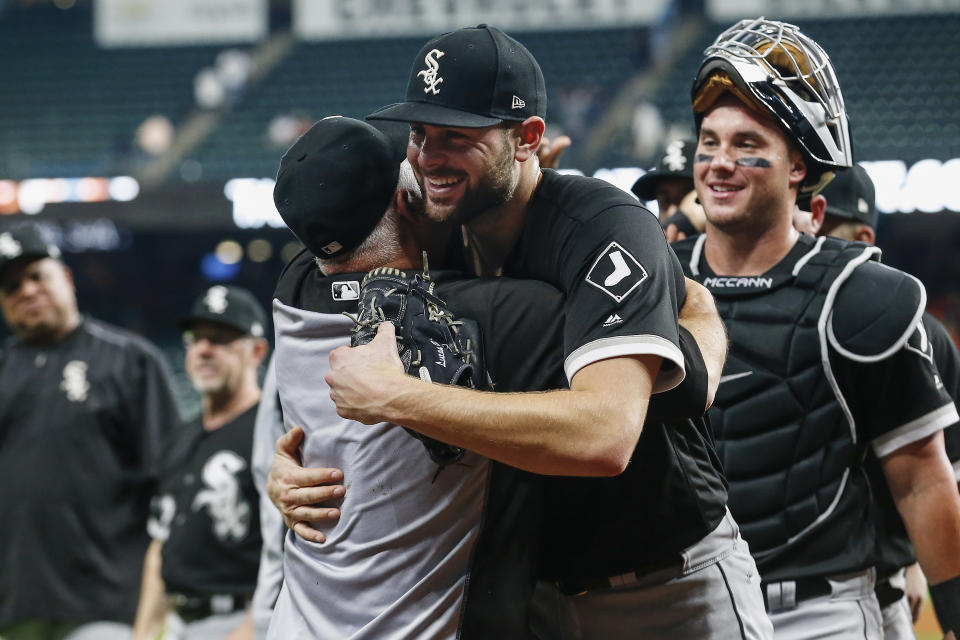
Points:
(894, 549)
(418, 551)
(826, 361)
(948, 364)
(206, 510)
(81, 430)
(623, 286)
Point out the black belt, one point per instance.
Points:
(805, 589)
(574, 587)
(197, 607)
(887, 594)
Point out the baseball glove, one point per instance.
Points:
(433, 345)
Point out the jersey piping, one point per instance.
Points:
(915, 430)
(613, 347)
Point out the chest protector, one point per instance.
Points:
(784, 433)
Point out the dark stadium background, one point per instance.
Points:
(72, 108)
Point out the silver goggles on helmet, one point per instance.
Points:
(773, 65)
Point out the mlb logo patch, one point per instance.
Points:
(616, 272)
(345, 290)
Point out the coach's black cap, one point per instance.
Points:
(850, 195)
(228, 305)
(335, 183)
(677, 162)
(24, 242)
(472, 77)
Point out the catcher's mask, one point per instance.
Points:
(772, 67)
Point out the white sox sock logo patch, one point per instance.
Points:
(429, 75)
(616, 272)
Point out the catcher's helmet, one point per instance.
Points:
(772, 66)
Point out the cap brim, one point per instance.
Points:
(645, 187)
(426, 113)
(186, 322)
(25, 257)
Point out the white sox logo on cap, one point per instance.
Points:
(9, 246)
(674, 160)
(216, 299)
(429, 75)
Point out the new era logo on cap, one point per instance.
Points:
(518, 103)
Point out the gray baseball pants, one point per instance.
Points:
(849, 612)
(714, 594)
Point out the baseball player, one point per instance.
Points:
(847, 209)
(827, 358)
(201, 567)
(83, 410)
(670, 183)
(421, 550)
(475, 104)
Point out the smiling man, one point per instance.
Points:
(84, 407)
(476, 102)
(200, 571)
(827, 357)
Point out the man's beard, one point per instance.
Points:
(495, 187)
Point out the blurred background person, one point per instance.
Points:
(202, 564)
(846, 208)
(84, 407)
(670, 183)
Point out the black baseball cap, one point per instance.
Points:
(228, 305)
(473, 77)
(24, 243)
(677, 162)
(335, 183)
(850, 195)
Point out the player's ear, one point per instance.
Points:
(818, 211)
(865, 234)
(529, 135)
(260, 349)
(798, 168)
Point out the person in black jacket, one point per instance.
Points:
(84, 408)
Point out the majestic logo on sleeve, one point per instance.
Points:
(9, 246)
(616, 272)
(222, 497)
(74, 382)
(216, 299)
(429, 75)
